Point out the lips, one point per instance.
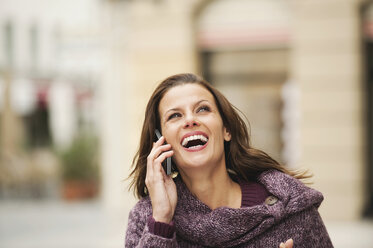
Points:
(194, 141)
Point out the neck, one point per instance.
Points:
(215, 188)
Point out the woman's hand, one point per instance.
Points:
(161, 188)
(288, 244)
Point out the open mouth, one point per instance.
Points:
(194, 141)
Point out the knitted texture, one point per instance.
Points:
(253, 193)
(293, 215)
(160, 228)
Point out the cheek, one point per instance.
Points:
(217, 125)
(170, 133)
(222, 132)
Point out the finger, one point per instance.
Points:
(153, 167)
(153, 157)
(160, 141)
(158, 161)
(289, 243)
(156, 146)
(155, 153)
(149, 173)
(155, 170)
(150, 161)
(282, 245)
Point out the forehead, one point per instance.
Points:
(184, 94)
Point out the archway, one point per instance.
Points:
(244, 48)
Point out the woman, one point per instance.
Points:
(226, 194)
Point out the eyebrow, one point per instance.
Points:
(178, 109)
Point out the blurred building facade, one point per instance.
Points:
(296, 69)
(50, 64)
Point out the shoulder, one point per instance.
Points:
(294, 194)
(274, 179)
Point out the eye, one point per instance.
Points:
(174, 115)
(203, 109)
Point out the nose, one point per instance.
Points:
(191, 121)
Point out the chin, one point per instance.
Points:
(194, 163)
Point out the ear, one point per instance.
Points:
(227, 135)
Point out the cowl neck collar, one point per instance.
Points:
(227, 227)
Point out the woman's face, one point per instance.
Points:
(191, 123)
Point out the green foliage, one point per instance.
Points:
(80, 160)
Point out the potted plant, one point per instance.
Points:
(80, 169)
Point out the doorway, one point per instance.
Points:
(245, 54)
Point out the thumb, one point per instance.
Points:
(289, 243)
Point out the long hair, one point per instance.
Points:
(241, 159)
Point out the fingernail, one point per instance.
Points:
(282, 245)
(289, 241)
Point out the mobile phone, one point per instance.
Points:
(165, 164)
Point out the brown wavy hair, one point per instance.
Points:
(241, 158)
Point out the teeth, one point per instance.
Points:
(195, 146)
(193, 137)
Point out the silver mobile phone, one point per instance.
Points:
(165, 164)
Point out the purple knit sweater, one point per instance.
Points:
(291, 212)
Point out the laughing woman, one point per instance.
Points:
(226, 193)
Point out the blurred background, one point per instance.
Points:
(75, 77)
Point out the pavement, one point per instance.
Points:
(55, 224)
